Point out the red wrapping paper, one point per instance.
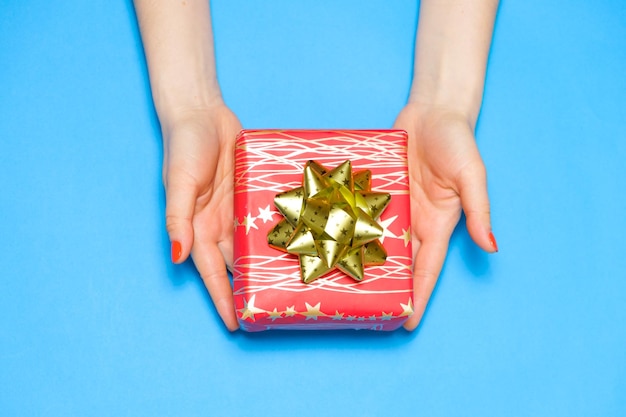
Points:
(268, 290)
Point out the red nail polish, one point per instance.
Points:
(492, 240)
(177, 251)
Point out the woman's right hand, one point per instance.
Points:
(198, 164)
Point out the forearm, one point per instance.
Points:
(451, 52)
(178, 43)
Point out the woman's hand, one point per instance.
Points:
(198, 138)
(447, 175)
(198, 168)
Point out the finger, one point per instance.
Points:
(226, 248)
(179, 210)
(224, 217)
(210, 263)
(427, 266)
(475, 202)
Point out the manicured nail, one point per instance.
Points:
(177, 251)
(492, 240)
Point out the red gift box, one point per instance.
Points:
(267, 283)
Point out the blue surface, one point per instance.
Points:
(95, 321)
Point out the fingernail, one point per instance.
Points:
(492, 240)
(177, 251)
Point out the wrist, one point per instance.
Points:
(214, 118)
(437, 106)
(178, 44)
(462, 101)
(174, 99)
(452, 48)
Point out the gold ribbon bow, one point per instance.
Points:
(330, 222)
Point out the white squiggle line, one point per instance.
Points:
(380, 147)
(264, 182)
(265, 277)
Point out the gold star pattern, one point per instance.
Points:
(312, 312)
(386, 316)
(291, 311)
(407, 309)
(333, 222)
(249, 223)
(275, 314)
(249, 310)
(337, 315)
(406, 235)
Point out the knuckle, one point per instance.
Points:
(173, 222)
(212, 277)
(424, 275)
(481, 211)
(475, 172)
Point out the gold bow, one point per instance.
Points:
(330, 222)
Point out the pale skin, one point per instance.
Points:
(446, 171)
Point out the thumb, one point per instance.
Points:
(180, 203)
(475, 202)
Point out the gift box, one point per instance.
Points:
(322, 234)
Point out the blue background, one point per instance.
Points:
(94, 320)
